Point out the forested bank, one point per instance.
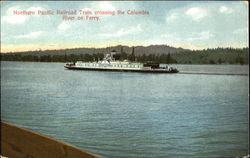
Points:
(206, 56)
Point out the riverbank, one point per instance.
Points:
(206, 56)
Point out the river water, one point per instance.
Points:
(122, 114)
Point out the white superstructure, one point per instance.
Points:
(109, 62)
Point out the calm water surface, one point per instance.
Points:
(117, 114)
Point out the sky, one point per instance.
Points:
(186, 24)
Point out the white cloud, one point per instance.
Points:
(139, 28)
(113, 5)
(106, 5)
(226, 10)
(14, 19)
(64, 26)
(196, 13)
(241, 30)
(122, 31)
(172, 17)
(30, 35)
(100, 6)
(223, 9)
(35, 9)
(18, 19)
(185, 13)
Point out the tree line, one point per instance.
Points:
(206, 56)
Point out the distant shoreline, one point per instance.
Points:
(160, 63)
(155, 54)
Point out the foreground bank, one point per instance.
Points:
(20, 142)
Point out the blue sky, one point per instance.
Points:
(193, 25)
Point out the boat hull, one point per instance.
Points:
(123, 70)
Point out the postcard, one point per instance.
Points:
(124, 79)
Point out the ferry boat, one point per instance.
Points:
(110, 64)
